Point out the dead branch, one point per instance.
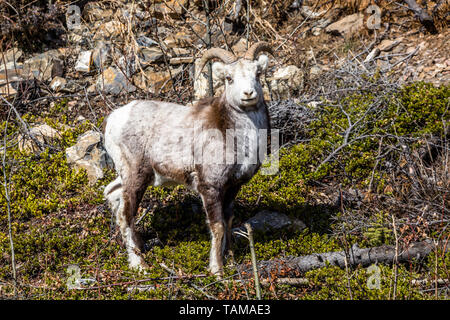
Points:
(357, 256)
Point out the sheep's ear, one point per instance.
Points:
(263, 62)
(218, 69)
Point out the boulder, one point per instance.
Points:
(43, 133)
(266, 221)
(156, 82)
(110, 30)
(44, 66)
(88, 154)
(84, 61)
(12, 55)
(387, 45)
(348, 25)
(113, 81)
(150, 55)
(286, 80)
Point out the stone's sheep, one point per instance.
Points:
(153, 143)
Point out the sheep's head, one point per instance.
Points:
(241, 75)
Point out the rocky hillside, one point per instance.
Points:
(359, 91)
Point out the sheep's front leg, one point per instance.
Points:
(213, 208)
(132, 195)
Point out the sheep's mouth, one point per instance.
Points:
(249, 100)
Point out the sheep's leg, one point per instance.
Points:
(228, 206)
(133, 192)
(115, 196)
(213, 207)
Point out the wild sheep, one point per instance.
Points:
(149, 142)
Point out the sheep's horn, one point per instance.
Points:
(256, 48)
(222, 54)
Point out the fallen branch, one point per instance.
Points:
(356, 256)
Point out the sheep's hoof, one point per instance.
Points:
(137, 263)
(217, 272)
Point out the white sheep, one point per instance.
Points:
(157, 143)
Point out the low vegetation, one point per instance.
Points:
(366, 160)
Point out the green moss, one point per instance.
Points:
(333, 283)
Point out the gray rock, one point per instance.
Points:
(101, 55)
(88, 154)
(12, 55)
(127, 64)
(144, 41)
(347, 25)
(10, 79)
(265, 221)
(84, 61)
(285, 80)
(387, 45)
(43, 133)
(10, 65)
(44, 66)
(373, 54)
(181, 60)
(150, 55)
(156, 82)
(58, 83)
(114, 81)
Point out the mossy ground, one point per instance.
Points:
(59, 220)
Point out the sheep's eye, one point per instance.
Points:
(229, 79)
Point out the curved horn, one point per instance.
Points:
(224, 55)
(256, 48)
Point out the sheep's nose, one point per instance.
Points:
(249, 92)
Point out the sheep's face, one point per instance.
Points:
(242, 86)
